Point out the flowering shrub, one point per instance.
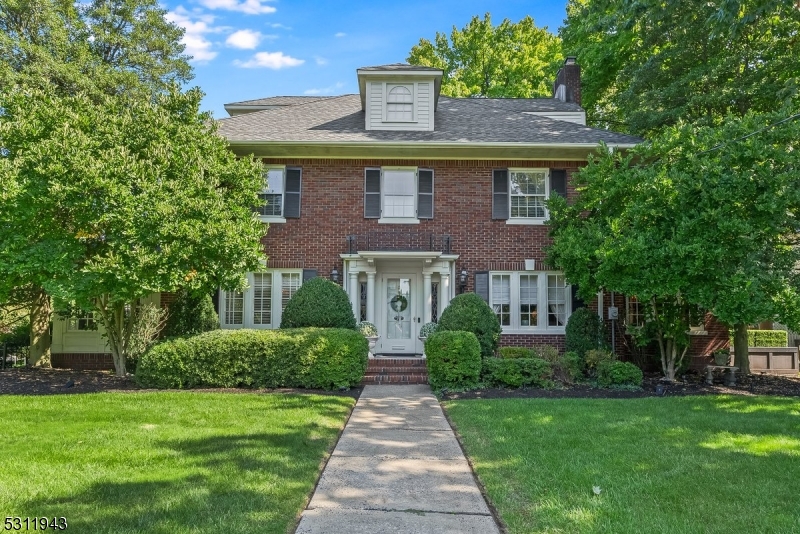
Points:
(367, 329)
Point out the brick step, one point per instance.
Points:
(377, 379)
(397, 370)
(397, 362)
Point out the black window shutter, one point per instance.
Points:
(482, 285)
(577, 302)
(558, 182)
(372, 194)
(215, 300)
(308, 274)
(291, 194)
(499, 196)
(425, 194)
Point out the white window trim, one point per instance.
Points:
(529, 220)
(412, 86)
(276, 218)
(249, 308)
(542, 327)
(400, 220)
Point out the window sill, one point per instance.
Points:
(527, 221)
(555, 330)
(272, 219)
(398, 220)
(697, 332)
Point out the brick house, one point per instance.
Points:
(407, 198)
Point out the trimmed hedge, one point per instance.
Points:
(470, 313)
(767, 338)
(453, 360)
(319, 303)
(305, 358)
(517, 372)
(516, 352)
(614, 373)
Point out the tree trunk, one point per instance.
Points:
(39, 355)
(741, 353)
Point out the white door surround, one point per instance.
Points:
(382, 272)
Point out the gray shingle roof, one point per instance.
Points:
(278, 101)
(460, 121)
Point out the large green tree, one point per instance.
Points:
(702, 216)
(99, 48)
(647, 65)
(508, 60)
(106, 204)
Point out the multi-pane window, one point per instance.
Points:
(290, 283)
(556, 300)
(518, 297)
(528, 194)
(528, 300)
(634, 315)
(399, 193)
(501, 298)
(82, 322)
(234, 307)
(399, 103)
(272, 195)
(262, 298)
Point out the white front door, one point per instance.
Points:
(399, 314)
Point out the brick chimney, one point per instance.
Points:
(568, 82)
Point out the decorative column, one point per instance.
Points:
(371, 297)
(444, 292)
(426, 303)
(354, 294)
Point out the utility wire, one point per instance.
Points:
(751, 134)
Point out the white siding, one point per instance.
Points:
(376, 106)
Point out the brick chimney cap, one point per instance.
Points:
(571, 60)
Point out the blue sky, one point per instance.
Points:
(247, 49)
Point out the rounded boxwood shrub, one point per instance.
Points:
(470, 313)
(615, 373)
(320, 358)
(190, 314)
(453, 360)
(584, 331)
(516, 352)
(319, 303)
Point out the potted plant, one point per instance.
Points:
(721, 356)
(369, 331)
(427, 329)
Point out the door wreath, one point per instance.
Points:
(399, 303)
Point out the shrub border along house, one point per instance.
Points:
(453, 359)
(318, 358)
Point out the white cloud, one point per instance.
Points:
(279, 25)
(340, 34)
(320, 60)
(269, 60)
(324, 91)
(196, 26)
(250, 7)
(244, 39)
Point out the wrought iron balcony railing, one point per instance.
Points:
(399, 241)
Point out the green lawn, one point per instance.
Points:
(673, 465)
(165, 461)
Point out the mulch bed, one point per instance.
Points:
(21, 381)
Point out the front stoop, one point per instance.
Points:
(396, 371)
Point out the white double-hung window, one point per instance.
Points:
(261, 305)
(398, 195)
(529, 192)
(528, 301)
(280, 198)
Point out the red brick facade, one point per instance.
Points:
(83, 361)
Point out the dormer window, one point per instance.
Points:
(399, 102)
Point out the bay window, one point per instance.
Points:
(517, 298)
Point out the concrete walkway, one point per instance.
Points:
(397, 468)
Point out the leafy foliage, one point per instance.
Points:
(515, 352)
(517, 372)
(767, 338)
(144, 334)
(106, 204)
(319, 303)
(585, 331)
(470, 313)
(428, 329)
(508, 60)
(594, 358)
(453, 360)
(190, 314)
(367, 329)
(305, 357)
(649, 65)
(614, 373)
